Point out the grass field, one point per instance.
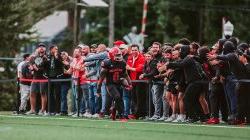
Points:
(65, 128)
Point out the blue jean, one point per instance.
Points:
(157, 93)
(84, 98)
(94, 100)
(64, 91)
(73, 98)
(104, 92)
(126, 101)
(229, 87)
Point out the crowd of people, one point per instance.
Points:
(181, 82)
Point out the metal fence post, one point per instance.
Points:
(49, 90)
(149, 99)
(18, 96)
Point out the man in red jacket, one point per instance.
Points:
(135, 64)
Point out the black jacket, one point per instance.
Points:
(54, 66)
(236, 67)
(153, 71)
(191, 69)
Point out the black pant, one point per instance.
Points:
(54, 97)
(218, 101)
(114, 97)
(242, 90)
(191, 99)
(139, 100)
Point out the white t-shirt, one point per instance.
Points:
(19, 68)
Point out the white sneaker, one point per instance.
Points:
(171, 118)
(72, 113)
(163, 118)
(75, 115)
(87, 115)
(154, 118)
(41, 113)
(30, 113)
(96, 115)
(180, 119)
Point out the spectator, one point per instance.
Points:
(157, 88)
(24, 71)
(39, 87)
(65, 85)
(99, 57)
(55, 71)
(135, 64)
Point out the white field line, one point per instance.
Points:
(133, 122)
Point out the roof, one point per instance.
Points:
(94, 3)
(50, 26)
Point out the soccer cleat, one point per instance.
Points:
(132, 117)
(113, 113)
(213, 121)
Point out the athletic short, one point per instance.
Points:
(172, 88)
(181, 87)
(37, 87)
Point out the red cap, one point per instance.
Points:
(118, 43)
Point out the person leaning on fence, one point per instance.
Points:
(101, 54)
(24, 71)
(65, 85)
(54, 71)
(38, 86)
(157, 87)
(135, 64)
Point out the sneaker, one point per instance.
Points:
(58, 114)
(30, 113)
(204, 118)
(63, 114)
(75, 115)
(171, 118)
(72, 113)
(236, 122)
(213, 121)
(21, 112)
(154, 118)
(96, 115)
(41, 113)
(163, 118)
(180, 119)
(87, 115)
(192, 120)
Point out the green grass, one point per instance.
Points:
(65, 128)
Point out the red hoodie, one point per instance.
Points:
(138, 64)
